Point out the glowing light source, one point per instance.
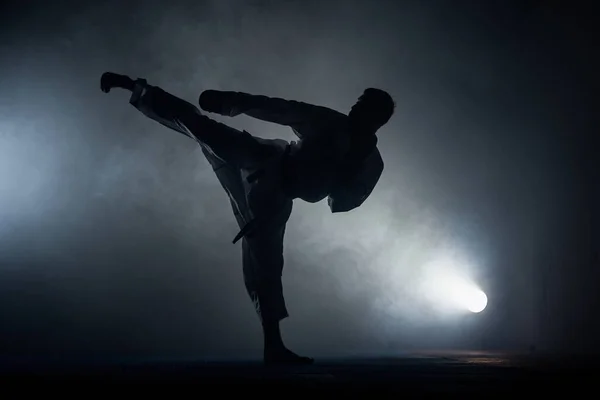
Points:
(449, 290)
(462, 294)
(474, 300)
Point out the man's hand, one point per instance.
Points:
(111, 80)
(213, 101)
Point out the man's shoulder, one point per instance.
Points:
(322, 120)
(323, 111)
(331, 120)
(333, 114)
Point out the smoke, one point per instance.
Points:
(122, 232)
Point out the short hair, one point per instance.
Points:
(378, 103)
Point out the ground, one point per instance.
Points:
(427, 372)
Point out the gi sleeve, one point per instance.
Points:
(271, 109)
(353, 192)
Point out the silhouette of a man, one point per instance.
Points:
(336, 157)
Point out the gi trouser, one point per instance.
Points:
(250, 170)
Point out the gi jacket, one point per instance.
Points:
(320, 163)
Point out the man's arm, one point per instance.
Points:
(353, 192)
(271, 109)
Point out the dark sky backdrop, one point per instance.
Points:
(115, 237)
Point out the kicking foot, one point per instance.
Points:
(283, 356)
(111, 80)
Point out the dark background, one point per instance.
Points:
(115, 236)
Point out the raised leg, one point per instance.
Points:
(236, 148)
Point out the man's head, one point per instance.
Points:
(373, 109)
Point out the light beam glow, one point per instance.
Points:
(471, 298)
(446, 288)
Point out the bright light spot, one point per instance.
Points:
(446, 289)
(462, 294)
(475, 300)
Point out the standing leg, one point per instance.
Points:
(263, 261)
(263, 266)
(262, 257)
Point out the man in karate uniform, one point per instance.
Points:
(336, 157)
